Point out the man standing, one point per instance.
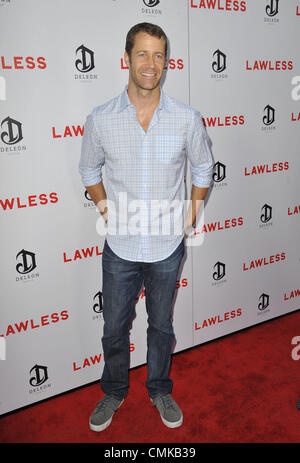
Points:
(143, 137)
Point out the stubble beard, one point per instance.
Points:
(138, 83)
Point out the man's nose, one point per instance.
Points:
(150, 60)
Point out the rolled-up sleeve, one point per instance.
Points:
(92, 155)
(199, 153)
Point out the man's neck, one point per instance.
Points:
(143, 100)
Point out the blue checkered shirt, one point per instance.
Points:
(144, 167)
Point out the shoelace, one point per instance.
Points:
(103, 403)
(167, 401)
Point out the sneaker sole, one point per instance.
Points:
(170, 424)
(101, 427)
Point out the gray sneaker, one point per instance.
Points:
(170, 413)
(101, 417)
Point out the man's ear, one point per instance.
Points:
(126, 58)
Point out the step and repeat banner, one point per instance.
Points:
(235, 61)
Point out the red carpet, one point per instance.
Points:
(242, 388)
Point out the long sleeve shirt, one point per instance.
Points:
(144, 172)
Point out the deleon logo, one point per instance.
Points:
(151, 3)
(12, 132)
(27, 263)
(219, 63)
(266, 213)
(39, 375)
(269, 115)
(88, 202)
(272, 8)
(219, 172)
(219, 271)
(87, 195)
(98, 307)
(85, 62)
(263, 301)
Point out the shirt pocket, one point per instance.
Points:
(169, 148)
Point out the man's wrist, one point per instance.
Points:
(104, 215)
(188, 228)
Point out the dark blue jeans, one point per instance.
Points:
(122, 280)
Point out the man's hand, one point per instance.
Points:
(98, 195)
(197, 197)
(102, 208)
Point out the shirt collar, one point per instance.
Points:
(124, 100)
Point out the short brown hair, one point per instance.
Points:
(151, 29)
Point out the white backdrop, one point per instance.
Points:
(235, 61)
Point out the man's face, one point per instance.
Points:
(147, 60)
